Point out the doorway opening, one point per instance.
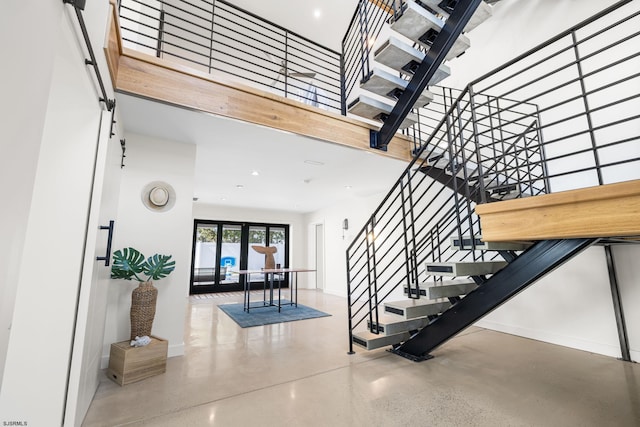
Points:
(222, 247)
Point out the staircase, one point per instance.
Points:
(418, 36)
(419, 271)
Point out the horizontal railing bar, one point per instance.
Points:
(549, 42)
(279, 27)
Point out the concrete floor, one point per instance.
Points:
(299, 374)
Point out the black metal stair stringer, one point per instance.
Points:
(453, 27)
(531, 265)
(460, 186)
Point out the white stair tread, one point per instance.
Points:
(416, 22)
(441, 160)
(489, 246)
(462, 269)
(398, 55)
(391, 325)
(450, 289)
(373, 109)
(412, 308)
(383, 83)
(482, 13)
(371, 341)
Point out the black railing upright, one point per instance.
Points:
(562, 116)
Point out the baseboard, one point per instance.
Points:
(552, 338)
(176, 350)
(173, 351)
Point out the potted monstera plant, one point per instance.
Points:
(130, 264)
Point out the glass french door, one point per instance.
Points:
(219, 248)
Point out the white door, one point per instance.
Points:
(320, 256)
(90, 321)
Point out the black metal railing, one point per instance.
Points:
(366, 25)
(562, 116)
(216, 37)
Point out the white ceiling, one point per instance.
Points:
(299, 16)
(228, 151)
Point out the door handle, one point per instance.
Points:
(107, 257)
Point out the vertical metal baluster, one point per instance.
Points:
(543, 154)
(343, 81)
(160, 35)
(349, 302)
(213, 17)
(375, 271)
(369, 273)
(587, 110)
(405, 230)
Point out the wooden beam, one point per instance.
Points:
(611, 210)
(113, 50)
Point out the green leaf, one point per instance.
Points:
(159, 266)
(127, 263)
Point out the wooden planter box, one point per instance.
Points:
(130, 364)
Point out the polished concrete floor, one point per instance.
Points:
(299, 374)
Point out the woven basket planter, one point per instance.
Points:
(143, 309)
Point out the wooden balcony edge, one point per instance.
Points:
(137, 73)
(606, 211)
(113, 48)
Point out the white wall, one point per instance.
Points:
(169, 232)
(516, 27)
(25, 88)
(357, 211)
(628, 272)
(297, 229)
(50, 265)
(570, 306)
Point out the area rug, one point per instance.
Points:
(259, 315)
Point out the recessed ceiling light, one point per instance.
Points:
(317, 13)
(314, 162)
(223, 198)
(255, 173)
(348, 187)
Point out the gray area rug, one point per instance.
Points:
(260, 315)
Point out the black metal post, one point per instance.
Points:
(343, 83)
(405, 230)
(161, 37)
(617, 305)
(587, 110)
(349, 313)
(479, 171)
(434, 57)
(286, 63)
(213, 18)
